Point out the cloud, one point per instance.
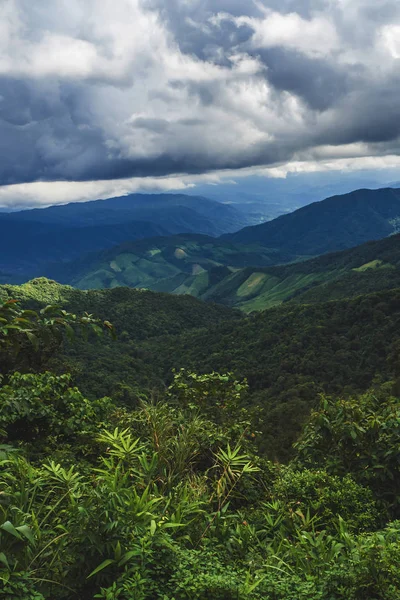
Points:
(363, 170)
(119, 89)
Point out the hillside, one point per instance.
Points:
(218, 272)
(292, 354)
(139, 313)
(368, 268)
(152, 262)
(333, 224)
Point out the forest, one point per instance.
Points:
(157, 447)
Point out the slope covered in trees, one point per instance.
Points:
(368, 268)
(289, 354)
(333, 224)
(168, 497)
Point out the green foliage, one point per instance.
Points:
(44, 408)
(358, 435)
(28, 337)
(155, 510)
(326, 497)
(218, 395)
(166, 498)
(109, 522)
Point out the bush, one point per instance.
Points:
(327, 497)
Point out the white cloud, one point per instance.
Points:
(316, 36)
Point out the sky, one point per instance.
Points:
(101, 98)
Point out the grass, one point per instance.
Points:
(374, 264)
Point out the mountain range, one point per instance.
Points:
(252, 275)
(79, 244)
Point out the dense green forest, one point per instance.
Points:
(289, 355)
(143, 483)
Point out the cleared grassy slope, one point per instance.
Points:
(154, 262)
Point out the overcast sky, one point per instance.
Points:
(100, 97)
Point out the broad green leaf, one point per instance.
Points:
(26, 532)
(103, 565)
(9, 528)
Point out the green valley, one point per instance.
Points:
(164, 263)
(238, 276)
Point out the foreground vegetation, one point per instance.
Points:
(169, 498)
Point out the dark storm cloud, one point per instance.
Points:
(190, 22)
(317, 82)
(127, 88)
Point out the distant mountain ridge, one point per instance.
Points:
(330, 225)
(176, 213)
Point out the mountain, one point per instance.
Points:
(175, 213)
(173, 260)
(333, 224)
(30, 239)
